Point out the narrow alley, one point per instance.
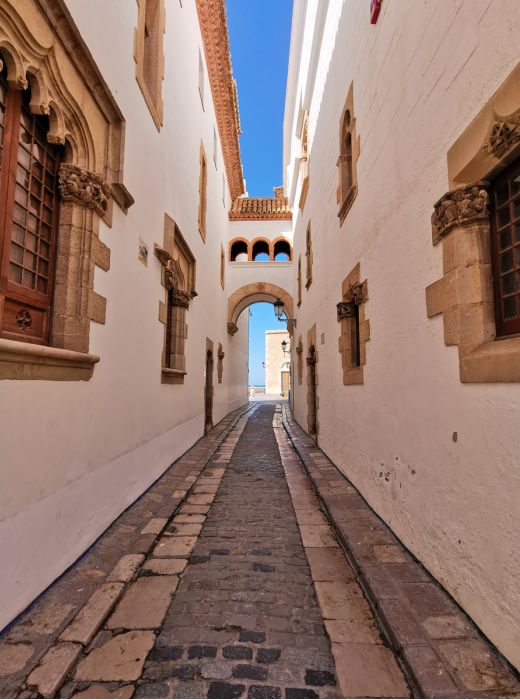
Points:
(226, 580)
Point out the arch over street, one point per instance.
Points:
(250, 294)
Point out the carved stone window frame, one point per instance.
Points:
(304, 161)
(347, 191)
(178, 280)
(353, 292)
(42, 49)
(203, 191)
(299, 282)
(461, 224)
(152, 93)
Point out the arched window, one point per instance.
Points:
(308, 256)
(282, 251)
(346, 178)
(348, 154)
(203, 185)
(261, 252)
(239, 251)
(29, 208)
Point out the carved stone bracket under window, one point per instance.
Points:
(355, 328)
(84, 188)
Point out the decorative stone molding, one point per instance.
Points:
(355, 328)
(464, 294)
(220, 362)
(465, 205)
(84, 188)
(505, 134)
(213, 24)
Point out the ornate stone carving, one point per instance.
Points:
(465, 205)
(179, 298)
(24, 319)
(232, 328)
(347, 309)
(291, 325)
(504, 134)
(84, 187)
(299, 347)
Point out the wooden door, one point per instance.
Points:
(208, 393)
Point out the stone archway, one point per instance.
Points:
(251, 294)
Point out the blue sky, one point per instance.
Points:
(259, 33)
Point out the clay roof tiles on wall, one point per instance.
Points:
(251, 208)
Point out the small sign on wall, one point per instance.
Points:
(142, 254)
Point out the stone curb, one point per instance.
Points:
(440, 650)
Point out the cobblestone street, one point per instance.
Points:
(226, 580)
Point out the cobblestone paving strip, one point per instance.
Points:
(440, 649)
(245, 620)
(42, 647)
(365, 667)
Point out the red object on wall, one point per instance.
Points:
(375, 8)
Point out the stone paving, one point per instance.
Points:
(226, 580)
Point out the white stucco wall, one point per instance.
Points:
(276, 360)
(420, 76)
(93, 447)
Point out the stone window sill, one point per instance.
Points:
(347, 203)
(495, 361)
(172, 376)
(29, 361)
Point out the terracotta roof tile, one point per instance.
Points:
(250, 208)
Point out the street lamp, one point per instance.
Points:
(284, 346)
(279, 309)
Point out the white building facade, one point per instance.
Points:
(415, 378)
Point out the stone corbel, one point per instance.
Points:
(347, 309)
(83, 187)
(463, 206)
(232, 328)
(291, 325)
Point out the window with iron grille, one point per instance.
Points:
(505, 249)
(28, 218)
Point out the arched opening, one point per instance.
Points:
(239, 251)
(261, 252)
(282, 251)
